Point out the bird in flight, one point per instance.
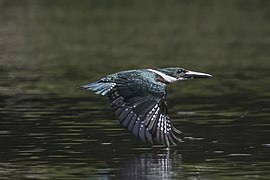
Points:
(139, 100)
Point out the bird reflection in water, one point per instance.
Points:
(156, 165)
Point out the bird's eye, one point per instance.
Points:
(179, 71)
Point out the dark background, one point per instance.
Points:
(50, 129)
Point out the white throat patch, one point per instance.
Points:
(167, 78)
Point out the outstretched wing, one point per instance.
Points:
(140, 108)
(143, 111)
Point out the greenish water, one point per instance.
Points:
(51, 130)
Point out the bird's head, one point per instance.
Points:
(173, 74)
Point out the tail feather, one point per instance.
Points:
(99, 87)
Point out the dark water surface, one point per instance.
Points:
(51, 130)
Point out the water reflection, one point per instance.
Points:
(72, 137)
(157, 165)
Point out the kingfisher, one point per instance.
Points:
(139, 100)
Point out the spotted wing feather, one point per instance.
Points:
(143, 114)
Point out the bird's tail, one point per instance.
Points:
(99, 87)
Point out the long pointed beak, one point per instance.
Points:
(193, 74)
